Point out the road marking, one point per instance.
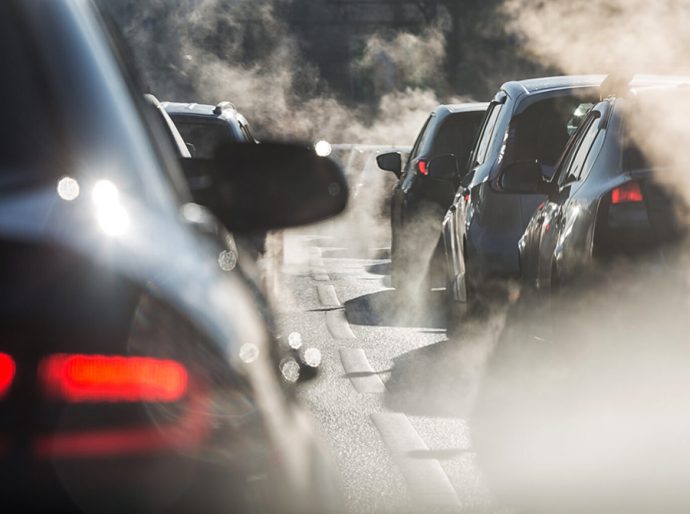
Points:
(364, 379)
(327, 295)
(425, 477)
(337, 324)
(318, 268)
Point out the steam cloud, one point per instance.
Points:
(585, 405)
(242, 51)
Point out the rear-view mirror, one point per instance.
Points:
(252, 187)
(523, 177)
(444, 167)
(391, 161)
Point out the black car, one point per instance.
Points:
(204, 128)
(426, 189)
(603, 203)
(136, 374)
(528, 120)
(231, 255)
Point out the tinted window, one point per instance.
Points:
(206, 136)
(541, 131)
(417, 144)
(578, 150)
(593, 152)
(456, 136)
(484, 140)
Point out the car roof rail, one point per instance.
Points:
(615, 84)
(221, 106)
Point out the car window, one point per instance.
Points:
(417, 144)
(593, 152)
(541, 132)
(578, 149)
(206, 136)
(456, 135)
(483, 143)
(578, 116)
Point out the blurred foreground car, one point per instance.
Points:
(136, 374)
(528, 120)
(425, 189)
(604, 202)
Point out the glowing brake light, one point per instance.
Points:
(7, 371)
(422, 167)
(627, 193)
(100, 378)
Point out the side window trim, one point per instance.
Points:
(573, 149)
(485, 136)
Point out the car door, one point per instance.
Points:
(561, 211)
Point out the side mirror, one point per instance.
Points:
(523, 177)
(391, 161)
(444, 167)
(256, 187)
(191, 148)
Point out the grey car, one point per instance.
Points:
(528, 120)
(424, 192)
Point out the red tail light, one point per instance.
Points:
(7, 371)
(100, 378)
(422, 167)
(627, 193)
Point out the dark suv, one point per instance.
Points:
(204, 128)
(425, 191)
(207, 126)
(528, 120)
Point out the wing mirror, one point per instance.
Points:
(256, 187)
(523, 177)
(391, 161)
(444, 167)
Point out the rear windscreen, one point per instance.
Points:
(456, 135)
(205, 136)
(542, 130)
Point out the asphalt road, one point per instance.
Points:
(393, 394)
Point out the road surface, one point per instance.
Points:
(393, 394)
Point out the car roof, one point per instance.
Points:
(538, 85)
(223, 110)
(464, 107)
(516, 88)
